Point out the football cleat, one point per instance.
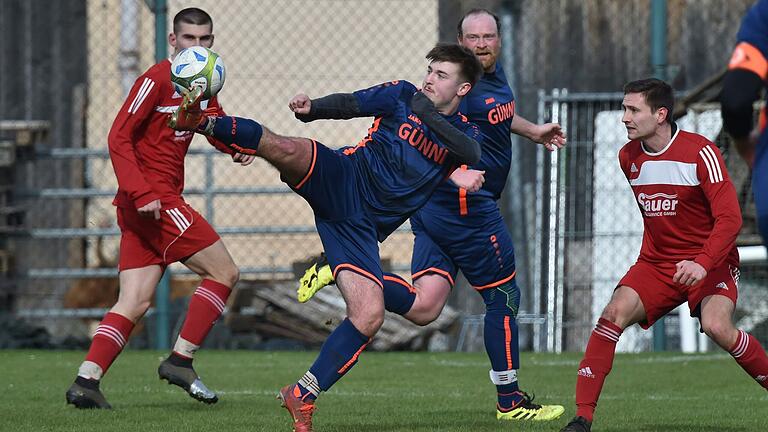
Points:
(527, 410)
(186, 378)
(300, 411)
(189, 115)
(316, 277)
(578, 424)
(86, 397)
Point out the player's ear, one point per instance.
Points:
(212, 39)
(464, 88)
(662, 114)
(172, 39)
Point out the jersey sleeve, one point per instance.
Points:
(215, 109)
(133, 114)
(383, 99)
(624, 161)
(752, 41)
(724, 206)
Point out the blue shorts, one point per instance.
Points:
(478, 244)
(347, 230)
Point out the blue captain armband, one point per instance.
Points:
(240, 134)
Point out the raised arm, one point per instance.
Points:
(336, 106)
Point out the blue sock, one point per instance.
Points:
(337, 356)
(501, 339)
(241, 134)
(399, 295)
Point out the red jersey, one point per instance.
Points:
(689, 205)
(146, 154)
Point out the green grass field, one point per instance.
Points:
(384, 392)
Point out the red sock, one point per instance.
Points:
(595, 366)
(109, 339)
(205, 307)
(750, 355)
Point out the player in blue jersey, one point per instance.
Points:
(458, 229)
(744, 84)
(360, 195)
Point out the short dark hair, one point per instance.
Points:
(470, 67)
(478, 11)
(658, 94)
(192, 15)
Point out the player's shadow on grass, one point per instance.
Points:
(680, 427)
(427, 419)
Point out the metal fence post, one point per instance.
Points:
(659, 63)
(163, 293)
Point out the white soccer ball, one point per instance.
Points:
(198, 66)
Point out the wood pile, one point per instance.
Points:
(271, 310)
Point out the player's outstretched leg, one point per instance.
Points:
(316, 277)
(501, 343)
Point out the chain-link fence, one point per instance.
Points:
(272, 51)
(590, 229)
(67, 239)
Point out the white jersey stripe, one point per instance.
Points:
(181, 218)
(146, 86)
(138, 94)
(708, 163)
(144, 96)
(666, 173)
(713, 158)
(166, 109)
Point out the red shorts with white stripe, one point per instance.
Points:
(653, 283)
(178, 234)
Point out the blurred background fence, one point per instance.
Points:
(66, 66)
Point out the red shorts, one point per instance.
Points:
(178, 234)
(653, 282)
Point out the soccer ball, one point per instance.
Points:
(198, 66)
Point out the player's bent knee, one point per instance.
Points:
(724, 333)
(367, 321)
(612, 313)
(423, 316)
(230, 276)
(132, 308)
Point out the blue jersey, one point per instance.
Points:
(754, 27)
(490, 105)
(401, 161)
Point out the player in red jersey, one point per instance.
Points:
(691, 219)
(158, 227)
